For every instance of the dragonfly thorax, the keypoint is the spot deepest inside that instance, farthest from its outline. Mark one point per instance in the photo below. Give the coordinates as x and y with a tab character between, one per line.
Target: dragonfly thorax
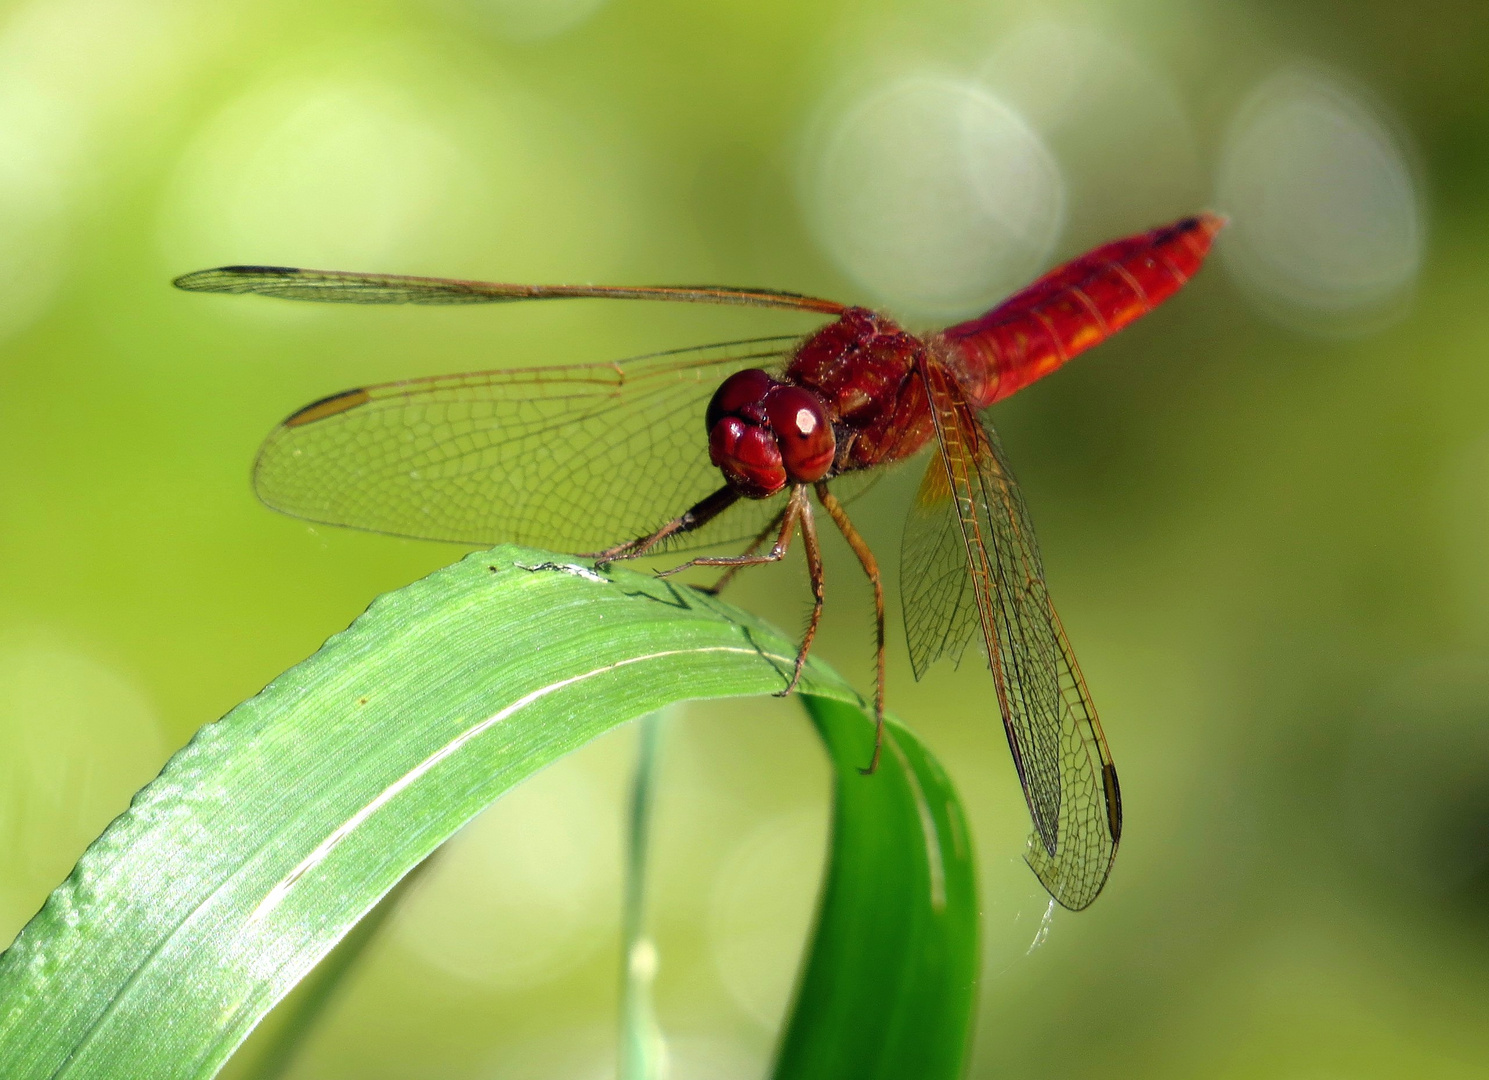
865	369
763	434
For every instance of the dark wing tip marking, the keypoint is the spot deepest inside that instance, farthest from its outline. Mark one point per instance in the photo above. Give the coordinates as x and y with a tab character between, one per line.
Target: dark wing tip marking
328	406
1113	794
250	268
229	278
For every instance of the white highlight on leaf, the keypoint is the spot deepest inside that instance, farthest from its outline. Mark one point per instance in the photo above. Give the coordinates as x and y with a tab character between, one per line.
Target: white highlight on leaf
935	865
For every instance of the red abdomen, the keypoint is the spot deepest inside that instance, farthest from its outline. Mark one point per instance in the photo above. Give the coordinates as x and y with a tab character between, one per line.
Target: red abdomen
1074	307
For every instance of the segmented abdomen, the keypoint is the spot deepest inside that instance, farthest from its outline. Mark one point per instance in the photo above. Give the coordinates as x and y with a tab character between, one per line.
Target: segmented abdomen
1076	306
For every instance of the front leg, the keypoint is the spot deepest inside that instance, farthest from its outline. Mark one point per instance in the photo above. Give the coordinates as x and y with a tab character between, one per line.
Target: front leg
696	516
788	518
798	510
728	575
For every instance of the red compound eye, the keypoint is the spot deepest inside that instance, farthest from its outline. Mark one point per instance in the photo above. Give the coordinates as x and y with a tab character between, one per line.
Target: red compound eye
739	395
762	433
802	432
748	457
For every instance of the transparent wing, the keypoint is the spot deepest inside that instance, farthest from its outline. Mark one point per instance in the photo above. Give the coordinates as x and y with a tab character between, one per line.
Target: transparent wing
940	605
1090	823
351	287
970	559
575	458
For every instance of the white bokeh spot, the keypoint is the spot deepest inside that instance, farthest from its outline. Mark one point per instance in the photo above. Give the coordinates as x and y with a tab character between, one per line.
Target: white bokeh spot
1327	227
760	912
936	197
77	739
80	80
1111	119
347	173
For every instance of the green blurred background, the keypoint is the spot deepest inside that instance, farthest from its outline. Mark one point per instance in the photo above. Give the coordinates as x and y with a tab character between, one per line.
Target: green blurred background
1263	509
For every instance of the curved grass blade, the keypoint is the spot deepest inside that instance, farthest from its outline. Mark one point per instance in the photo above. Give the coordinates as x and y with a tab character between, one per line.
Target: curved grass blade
300	1014
889	987
266	839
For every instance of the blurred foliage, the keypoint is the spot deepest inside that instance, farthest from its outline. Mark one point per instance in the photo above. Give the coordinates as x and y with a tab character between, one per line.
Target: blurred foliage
1267	543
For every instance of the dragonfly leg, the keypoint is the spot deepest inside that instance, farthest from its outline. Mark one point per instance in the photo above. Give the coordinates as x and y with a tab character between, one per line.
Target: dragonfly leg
871	568
728	575
797	510
789	516
814	569
696	516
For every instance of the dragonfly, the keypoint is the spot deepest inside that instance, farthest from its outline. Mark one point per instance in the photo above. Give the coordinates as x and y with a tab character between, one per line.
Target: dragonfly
701	447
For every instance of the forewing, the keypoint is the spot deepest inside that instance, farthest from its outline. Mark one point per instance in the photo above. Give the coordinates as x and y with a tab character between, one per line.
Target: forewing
973	509
352	287
575	458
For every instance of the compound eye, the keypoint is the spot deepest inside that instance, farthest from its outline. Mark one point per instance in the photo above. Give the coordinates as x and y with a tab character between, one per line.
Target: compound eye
737	394
802	431
748	458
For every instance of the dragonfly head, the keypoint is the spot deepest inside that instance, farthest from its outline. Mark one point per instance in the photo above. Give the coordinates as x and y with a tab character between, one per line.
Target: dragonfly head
763	433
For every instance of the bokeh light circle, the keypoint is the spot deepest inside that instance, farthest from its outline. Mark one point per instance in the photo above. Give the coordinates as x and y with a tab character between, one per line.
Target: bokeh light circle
83	86
935	196
347	170
1110	117
1327	226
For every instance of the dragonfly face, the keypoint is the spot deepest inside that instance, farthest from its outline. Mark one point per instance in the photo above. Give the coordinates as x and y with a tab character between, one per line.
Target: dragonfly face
579	456
764	434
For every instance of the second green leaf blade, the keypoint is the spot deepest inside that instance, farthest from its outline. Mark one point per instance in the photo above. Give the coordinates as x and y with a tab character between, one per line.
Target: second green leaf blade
889	985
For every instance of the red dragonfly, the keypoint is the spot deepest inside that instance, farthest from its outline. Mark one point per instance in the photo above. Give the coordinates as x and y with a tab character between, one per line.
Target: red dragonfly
576	457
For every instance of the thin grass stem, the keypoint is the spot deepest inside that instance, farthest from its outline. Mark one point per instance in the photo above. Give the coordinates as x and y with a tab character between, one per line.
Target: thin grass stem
643	1049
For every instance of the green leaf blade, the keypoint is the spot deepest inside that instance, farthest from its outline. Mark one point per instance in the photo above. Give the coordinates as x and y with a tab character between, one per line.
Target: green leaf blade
267	837
890	985
274	830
